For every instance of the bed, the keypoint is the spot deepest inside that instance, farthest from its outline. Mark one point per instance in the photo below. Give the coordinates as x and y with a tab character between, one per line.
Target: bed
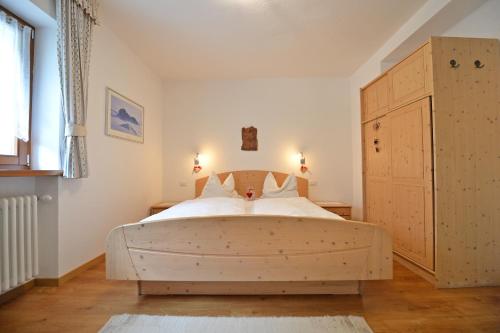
234	246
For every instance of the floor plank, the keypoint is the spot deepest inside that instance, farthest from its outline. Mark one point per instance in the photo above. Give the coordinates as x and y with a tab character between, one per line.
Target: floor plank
405	304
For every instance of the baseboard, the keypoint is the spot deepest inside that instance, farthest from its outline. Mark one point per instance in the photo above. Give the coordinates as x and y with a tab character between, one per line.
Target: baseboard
56	282
424	273
17	291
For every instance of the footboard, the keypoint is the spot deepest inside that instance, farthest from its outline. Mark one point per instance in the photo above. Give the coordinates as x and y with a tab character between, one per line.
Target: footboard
249	249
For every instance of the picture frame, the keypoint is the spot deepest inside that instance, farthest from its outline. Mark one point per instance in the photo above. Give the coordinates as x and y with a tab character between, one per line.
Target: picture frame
124	117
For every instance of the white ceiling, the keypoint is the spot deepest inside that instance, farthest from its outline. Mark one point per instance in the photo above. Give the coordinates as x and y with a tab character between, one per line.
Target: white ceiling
228	39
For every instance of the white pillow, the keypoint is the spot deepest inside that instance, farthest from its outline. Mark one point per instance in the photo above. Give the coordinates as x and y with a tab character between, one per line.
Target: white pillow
213	187
229	186
229	183
270	183
287	190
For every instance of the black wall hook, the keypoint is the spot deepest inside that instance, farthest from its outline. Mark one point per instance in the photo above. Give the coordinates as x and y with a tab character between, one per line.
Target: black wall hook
454	64
478	64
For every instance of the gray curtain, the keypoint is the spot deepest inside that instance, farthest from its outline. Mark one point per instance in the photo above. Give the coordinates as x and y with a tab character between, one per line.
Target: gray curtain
75	21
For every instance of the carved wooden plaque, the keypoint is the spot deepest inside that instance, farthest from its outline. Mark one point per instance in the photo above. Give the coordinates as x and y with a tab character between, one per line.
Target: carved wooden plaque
249	138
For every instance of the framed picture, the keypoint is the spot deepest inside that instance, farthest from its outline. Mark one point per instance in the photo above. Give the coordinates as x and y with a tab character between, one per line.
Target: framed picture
124	117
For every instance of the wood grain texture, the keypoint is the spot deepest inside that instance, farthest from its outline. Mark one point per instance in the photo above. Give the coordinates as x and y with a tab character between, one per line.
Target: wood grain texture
16	292
377	172
54	282
249	288
344	212
161	206
455	182
416	268
411	79
411	179
467	162
118	261
375	99
244	179
405	304
249	248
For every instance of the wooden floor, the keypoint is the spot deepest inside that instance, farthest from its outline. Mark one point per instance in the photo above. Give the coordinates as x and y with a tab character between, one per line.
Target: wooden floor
406	304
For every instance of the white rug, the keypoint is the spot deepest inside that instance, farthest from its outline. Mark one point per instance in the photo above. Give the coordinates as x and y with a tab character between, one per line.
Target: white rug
166	324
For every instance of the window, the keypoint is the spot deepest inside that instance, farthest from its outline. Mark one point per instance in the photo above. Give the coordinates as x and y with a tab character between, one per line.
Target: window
16	67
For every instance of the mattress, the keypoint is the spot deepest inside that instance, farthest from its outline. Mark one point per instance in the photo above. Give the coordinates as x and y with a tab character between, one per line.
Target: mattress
298	206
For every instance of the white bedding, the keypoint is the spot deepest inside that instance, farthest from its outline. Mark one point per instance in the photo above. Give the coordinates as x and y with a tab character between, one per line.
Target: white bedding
297	206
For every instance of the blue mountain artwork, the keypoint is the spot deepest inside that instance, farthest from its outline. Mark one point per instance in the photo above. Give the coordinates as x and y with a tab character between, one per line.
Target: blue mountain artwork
128	128
122	121
123	115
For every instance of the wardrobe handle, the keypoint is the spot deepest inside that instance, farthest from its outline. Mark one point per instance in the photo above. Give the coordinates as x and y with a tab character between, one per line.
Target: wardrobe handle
376	125
376	141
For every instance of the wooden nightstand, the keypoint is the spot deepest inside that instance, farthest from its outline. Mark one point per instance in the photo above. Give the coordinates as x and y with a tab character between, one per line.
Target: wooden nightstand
159	207
338	208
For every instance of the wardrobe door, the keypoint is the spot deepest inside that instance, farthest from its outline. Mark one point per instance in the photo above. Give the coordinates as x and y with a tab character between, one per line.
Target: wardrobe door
383	95
376	99
378	202
411	177
411	79
370	102
377	148
377	170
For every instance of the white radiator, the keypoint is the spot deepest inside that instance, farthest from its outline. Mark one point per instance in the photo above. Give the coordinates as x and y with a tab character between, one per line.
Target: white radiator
18	241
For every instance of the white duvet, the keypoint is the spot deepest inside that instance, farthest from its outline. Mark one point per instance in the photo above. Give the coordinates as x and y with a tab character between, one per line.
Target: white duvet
297	206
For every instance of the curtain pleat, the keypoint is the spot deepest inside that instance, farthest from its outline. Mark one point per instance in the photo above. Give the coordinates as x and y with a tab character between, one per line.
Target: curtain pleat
75	19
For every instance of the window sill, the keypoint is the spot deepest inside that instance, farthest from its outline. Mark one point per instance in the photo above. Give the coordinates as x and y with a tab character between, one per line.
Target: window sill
30	173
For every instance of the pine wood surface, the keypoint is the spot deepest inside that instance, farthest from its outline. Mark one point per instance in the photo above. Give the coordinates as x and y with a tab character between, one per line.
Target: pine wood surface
406	304
467	167
434	181
249	248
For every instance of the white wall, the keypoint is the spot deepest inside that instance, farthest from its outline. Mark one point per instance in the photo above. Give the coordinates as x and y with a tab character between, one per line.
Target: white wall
125	177
483	22
46	124
291	115
431	19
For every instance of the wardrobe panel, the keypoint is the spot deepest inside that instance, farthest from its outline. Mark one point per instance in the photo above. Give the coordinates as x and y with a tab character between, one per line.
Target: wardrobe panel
376	99
409	223
378	198
411	79
411	165
377	148
467	140
407	148
370	102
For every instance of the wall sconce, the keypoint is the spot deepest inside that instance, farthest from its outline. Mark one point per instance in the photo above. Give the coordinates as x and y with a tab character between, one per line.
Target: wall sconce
196	164
303	166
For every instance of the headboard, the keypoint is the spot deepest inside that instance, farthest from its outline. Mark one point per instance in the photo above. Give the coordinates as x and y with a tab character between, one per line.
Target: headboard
255	178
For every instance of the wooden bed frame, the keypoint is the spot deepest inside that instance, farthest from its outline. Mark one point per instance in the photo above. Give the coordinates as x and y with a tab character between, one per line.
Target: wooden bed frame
249	254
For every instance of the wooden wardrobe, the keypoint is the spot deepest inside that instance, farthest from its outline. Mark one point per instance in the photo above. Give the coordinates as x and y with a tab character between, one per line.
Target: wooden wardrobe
431	159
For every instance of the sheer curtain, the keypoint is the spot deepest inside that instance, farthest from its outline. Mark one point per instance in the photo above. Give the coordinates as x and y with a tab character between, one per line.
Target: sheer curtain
15	43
